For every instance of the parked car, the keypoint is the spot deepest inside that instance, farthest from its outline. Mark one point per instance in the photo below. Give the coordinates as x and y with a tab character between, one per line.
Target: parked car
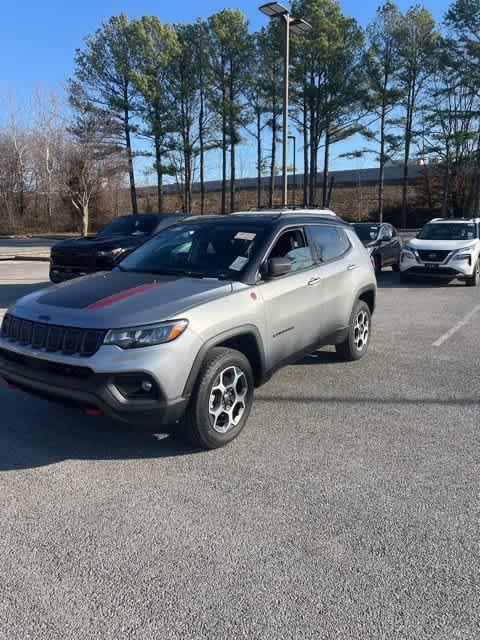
188	324
382	242
445	248
81	256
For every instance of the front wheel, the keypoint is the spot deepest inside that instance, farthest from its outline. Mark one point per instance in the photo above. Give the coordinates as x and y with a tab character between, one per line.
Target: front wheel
221	401
474	279
356	343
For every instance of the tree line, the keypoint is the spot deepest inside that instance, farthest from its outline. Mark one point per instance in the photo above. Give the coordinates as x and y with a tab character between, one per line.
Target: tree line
405	89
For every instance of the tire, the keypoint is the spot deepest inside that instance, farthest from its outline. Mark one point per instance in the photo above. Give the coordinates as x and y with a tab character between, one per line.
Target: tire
356	343
225	378
473	281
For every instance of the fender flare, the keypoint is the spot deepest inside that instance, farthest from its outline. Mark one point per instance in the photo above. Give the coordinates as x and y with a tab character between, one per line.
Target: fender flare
246	329
367	289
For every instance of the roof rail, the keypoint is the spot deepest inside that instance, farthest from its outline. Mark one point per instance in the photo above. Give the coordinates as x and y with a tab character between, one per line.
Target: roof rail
289	211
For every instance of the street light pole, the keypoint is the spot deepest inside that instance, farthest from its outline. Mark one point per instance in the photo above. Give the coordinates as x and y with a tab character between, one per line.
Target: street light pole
294	25
294	139
286	64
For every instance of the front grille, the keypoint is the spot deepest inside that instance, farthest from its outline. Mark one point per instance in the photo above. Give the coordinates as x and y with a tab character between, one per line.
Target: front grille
79	259
57	368
436	255
52	338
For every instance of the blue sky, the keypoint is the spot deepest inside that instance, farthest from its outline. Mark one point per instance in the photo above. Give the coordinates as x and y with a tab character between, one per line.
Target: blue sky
38	38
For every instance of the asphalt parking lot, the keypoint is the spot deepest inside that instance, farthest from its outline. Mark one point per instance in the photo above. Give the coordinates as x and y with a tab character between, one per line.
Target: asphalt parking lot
349	507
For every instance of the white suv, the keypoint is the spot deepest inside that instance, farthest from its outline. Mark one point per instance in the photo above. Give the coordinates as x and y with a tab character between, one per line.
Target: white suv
445	248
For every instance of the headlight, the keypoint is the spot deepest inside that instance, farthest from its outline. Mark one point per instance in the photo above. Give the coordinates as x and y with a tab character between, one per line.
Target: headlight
462	256
113	253
136	337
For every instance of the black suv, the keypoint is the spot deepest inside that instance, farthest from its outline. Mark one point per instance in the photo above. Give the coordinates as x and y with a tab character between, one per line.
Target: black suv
382	242
81	256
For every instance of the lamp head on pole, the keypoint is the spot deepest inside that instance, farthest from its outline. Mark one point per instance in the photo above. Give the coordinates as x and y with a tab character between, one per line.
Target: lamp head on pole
274	9
300	26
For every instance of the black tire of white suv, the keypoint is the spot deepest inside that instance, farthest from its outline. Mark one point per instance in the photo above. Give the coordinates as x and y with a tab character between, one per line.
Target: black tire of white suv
356	343
221	400
475	278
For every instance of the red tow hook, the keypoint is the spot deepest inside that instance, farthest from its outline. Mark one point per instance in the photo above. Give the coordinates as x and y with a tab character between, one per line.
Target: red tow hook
93	411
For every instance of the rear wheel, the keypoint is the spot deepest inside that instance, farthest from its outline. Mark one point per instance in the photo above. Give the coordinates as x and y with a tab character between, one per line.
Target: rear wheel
221	401
356	343
474	279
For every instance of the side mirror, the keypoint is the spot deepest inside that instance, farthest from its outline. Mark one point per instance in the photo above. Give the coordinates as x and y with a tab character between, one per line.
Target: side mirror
276	267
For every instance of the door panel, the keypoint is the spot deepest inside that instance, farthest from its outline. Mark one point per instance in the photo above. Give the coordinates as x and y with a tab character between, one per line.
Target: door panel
292	306
337	273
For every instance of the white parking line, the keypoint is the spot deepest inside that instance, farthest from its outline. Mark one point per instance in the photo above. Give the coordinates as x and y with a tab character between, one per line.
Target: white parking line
456	327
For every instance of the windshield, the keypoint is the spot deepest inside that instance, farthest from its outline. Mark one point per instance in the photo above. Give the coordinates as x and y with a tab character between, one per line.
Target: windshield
367	232
203	249
448	231
130	226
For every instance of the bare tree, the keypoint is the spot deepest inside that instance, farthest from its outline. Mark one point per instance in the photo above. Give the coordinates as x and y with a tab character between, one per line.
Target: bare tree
90	159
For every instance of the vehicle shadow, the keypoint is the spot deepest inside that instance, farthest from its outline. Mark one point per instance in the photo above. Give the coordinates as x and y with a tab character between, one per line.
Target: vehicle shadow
42	433
391	280
13	291
319	357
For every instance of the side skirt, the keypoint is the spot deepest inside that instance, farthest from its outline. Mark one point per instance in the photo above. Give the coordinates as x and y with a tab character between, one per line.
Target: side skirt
334	338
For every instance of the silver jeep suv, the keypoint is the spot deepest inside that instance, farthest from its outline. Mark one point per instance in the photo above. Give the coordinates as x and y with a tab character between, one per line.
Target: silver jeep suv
185	328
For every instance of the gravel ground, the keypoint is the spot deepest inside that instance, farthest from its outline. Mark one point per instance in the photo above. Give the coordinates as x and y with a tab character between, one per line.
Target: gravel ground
348	509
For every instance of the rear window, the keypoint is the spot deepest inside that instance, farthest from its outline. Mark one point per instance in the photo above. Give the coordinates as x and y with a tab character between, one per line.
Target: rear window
367	232
130	226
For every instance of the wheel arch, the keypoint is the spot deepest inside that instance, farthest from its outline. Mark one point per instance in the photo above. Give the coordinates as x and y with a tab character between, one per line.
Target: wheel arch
368	294
246	339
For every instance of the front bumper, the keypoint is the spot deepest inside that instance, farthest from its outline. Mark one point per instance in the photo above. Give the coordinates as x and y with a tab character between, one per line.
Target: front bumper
448	269
80	386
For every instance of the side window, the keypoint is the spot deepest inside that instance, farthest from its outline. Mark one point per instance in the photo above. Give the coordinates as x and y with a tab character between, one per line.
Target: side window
329	242
344	241
293	245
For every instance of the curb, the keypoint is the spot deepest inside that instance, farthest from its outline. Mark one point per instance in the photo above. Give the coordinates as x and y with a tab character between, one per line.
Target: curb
5	258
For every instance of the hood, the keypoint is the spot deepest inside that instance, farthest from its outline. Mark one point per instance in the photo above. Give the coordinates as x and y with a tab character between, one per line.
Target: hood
100	244
118	299
439	245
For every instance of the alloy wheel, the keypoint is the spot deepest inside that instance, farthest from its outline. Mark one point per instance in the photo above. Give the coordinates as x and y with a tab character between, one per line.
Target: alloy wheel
361	330
227	399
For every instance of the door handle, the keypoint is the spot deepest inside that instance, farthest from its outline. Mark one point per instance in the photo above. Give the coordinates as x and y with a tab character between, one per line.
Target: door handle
351	267
314	281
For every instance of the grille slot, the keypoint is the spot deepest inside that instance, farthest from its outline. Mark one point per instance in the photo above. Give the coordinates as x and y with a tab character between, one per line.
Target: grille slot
53	338
436	255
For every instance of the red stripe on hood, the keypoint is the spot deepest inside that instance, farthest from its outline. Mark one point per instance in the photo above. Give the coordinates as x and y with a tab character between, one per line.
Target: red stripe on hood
106	302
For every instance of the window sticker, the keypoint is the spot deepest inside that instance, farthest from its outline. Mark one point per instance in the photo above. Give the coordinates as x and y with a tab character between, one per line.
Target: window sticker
238	263
243	235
